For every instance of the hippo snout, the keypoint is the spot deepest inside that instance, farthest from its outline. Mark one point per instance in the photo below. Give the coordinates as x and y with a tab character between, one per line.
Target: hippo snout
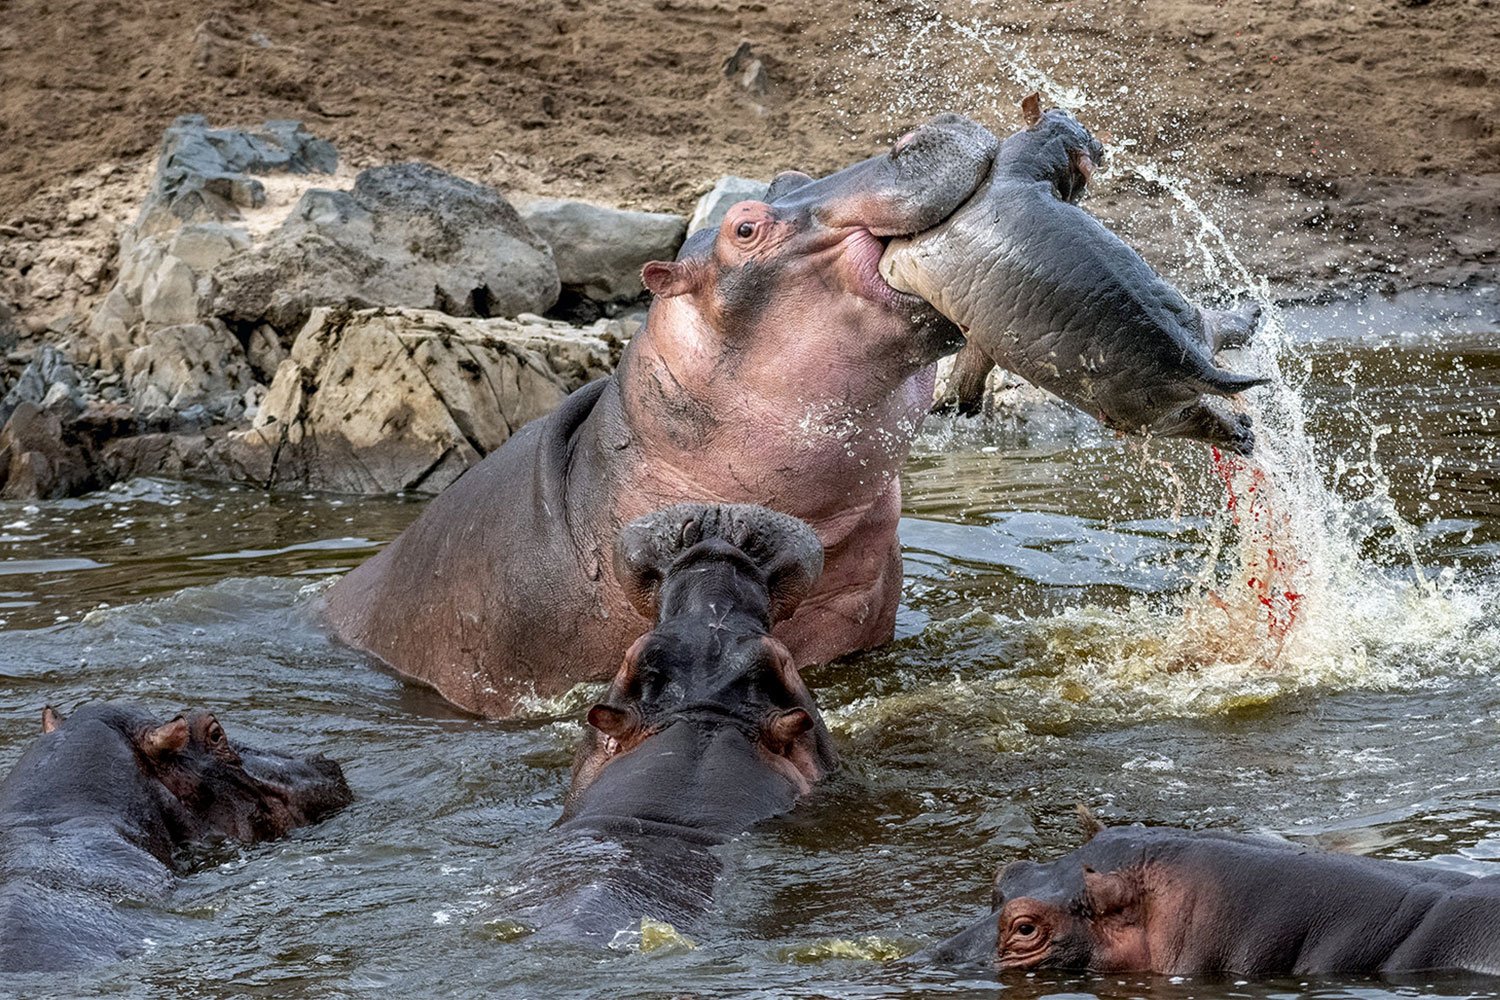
927	174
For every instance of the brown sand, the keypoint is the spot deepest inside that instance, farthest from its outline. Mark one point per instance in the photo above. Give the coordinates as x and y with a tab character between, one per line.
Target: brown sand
1324	123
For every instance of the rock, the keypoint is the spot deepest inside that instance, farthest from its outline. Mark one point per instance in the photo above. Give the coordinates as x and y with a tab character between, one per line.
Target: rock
408	235
726	192
38	385
599	250
10	334
188	374
204	174
39	460
747	72
169	295
379	401
264	350
203	245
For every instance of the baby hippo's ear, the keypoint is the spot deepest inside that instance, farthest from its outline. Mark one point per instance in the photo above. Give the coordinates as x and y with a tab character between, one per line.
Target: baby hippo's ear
164	739
1031	108
51	721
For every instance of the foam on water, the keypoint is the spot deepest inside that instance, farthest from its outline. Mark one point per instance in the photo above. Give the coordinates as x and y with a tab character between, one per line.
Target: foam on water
1297	586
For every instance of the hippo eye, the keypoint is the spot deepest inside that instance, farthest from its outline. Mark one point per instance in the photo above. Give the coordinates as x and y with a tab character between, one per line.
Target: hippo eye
1025	930
216	734
745	230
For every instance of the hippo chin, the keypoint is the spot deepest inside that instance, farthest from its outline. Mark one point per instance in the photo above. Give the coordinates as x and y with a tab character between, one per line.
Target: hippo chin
1181	902
776	367
706	729
1042	289
91	816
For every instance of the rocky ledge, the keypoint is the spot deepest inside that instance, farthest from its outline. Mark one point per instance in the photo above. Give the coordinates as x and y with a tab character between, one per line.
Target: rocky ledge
272	319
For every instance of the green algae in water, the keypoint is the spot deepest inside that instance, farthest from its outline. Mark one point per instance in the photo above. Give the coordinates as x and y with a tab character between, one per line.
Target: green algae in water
508	930
865	949
658	935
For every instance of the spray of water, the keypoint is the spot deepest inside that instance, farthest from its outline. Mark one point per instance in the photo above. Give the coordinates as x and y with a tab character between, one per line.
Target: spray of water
1284	598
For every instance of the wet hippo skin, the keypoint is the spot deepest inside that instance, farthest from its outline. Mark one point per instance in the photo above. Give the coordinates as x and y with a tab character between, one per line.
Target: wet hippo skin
776	367
92	812
1044	290
706	729
1186	902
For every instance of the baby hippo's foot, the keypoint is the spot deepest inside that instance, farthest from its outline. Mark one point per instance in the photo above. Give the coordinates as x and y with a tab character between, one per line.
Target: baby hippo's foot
963	390
1230	328
1206	421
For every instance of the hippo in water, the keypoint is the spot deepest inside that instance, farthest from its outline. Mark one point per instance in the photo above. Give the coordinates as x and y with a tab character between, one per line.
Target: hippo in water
775	367
1184	902
1042	289
91	816
706	729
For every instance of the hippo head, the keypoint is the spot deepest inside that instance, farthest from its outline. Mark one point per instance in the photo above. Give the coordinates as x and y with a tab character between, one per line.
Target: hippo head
706	704
223	788
793	276
1081	911
1053	147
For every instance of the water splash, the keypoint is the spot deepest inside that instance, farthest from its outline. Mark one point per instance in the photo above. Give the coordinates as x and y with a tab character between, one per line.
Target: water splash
1297	585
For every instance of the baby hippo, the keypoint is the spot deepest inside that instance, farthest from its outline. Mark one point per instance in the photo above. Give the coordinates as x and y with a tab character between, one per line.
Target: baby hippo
91	815
1042	289
1180	902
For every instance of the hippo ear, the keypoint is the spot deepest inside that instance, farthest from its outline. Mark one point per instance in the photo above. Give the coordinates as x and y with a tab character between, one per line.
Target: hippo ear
785	183
51	721
1111	893
669	278
781	729
1091	824
165	739
612	720
1031	108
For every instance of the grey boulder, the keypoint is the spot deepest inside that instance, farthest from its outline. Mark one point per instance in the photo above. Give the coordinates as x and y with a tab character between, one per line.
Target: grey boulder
600	250
727	191
408	236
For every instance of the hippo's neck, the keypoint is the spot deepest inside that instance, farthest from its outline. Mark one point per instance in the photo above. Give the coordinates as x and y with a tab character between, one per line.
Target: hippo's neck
704	430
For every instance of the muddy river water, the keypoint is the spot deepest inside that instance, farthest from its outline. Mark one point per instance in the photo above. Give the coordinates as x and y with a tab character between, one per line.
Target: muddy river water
1084	620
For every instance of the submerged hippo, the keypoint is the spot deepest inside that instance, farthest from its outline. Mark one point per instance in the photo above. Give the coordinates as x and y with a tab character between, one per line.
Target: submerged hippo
706	729
1042	289
91	815
775	367
1181	902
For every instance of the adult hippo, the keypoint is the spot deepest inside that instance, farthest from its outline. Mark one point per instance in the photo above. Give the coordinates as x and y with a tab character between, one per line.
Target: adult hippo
94	813
775	367
1041	288
706	729
1185	902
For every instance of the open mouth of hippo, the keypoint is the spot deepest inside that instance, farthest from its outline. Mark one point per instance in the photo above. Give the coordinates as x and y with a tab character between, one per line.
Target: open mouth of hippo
863	249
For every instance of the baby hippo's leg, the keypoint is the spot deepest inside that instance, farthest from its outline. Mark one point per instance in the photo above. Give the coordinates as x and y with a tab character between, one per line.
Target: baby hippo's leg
1206	420
964	389
1230	328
